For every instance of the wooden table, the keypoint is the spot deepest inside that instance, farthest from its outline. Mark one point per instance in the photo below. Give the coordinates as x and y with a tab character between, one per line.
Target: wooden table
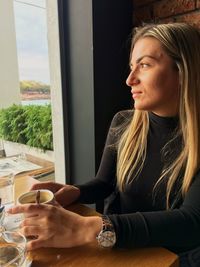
92	254
47	166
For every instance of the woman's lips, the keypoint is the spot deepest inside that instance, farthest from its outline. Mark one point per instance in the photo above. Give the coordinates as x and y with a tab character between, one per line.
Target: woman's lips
136	94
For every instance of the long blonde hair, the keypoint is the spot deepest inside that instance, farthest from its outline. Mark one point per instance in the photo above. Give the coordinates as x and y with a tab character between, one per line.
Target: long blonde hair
181	42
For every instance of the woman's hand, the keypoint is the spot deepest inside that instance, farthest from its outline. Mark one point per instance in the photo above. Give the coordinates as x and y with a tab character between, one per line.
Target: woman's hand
64	194
53	226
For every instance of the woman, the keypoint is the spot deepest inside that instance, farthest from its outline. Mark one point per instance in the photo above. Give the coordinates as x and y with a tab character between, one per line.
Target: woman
150	165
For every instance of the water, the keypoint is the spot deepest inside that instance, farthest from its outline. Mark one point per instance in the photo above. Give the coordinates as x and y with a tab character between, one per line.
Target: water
38	102
12	249
11	254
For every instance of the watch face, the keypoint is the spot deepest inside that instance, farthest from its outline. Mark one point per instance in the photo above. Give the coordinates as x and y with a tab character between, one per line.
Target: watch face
107	239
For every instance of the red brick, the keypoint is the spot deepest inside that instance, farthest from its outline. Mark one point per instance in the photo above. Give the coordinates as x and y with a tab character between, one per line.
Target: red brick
166	20
142	14
137	3
166	8
192	18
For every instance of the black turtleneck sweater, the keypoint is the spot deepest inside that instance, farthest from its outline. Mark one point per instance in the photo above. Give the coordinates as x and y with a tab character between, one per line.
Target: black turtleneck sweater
139	216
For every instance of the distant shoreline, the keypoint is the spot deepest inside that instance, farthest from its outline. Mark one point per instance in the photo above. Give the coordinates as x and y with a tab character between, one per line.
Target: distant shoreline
35	96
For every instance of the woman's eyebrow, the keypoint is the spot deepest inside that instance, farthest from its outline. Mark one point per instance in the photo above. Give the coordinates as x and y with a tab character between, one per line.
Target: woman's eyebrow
140	58
150	56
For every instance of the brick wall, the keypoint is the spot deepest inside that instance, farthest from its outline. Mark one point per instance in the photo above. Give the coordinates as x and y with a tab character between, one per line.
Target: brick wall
166	11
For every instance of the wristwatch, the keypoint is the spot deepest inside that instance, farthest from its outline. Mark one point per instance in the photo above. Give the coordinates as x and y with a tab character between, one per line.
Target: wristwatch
107	236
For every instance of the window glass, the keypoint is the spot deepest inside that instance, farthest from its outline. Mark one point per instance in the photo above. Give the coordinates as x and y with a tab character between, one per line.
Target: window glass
32	51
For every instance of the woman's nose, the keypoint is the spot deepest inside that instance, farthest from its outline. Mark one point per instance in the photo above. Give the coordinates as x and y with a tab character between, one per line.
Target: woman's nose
132	79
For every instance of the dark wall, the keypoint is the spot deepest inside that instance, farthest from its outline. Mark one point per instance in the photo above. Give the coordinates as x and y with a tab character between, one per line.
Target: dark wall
94	60
112	24
76	41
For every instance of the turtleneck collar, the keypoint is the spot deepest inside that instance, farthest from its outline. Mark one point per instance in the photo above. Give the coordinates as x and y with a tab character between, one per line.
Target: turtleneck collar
167	122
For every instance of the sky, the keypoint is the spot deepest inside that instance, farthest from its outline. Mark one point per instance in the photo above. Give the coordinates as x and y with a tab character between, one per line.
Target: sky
31	37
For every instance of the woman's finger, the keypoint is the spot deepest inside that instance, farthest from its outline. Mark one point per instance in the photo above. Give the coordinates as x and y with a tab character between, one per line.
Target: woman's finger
31	230
67	195
30	209
54	187
36	243
29	221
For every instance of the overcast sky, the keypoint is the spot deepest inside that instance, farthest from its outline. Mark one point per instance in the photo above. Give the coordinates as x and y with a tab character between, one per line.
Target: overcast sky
31	35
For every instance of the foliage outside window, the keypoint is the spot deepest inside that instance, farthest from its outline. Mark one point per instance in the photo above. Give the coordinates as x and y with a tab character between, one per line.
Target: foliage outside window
30	125
34	90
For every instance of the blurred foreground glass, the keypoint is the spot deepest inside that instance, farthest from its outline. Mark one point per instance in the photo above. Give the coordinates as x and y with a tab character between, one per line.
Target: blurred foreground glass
7	188
12	249
2	215
2	150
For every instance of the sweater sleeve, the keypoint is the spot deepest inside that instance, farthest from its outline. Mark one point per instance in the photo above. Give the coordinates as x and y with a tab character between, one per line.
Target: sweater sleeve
177	229
104	183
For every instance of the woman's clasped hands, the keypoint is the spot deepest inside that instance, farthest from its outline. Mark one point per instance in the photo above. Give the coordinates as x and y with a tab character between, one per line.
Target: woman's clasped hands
54	226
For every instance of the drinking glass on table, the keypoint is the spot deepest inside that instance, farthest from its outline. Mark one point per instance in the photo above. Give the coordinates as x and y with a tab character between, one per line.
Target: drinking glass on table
2	215
12	249
7	192
7	199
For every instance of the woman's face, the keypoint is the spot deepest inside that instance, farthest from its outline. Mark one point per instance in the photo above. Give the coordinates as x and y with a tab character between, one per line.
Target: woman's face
154	79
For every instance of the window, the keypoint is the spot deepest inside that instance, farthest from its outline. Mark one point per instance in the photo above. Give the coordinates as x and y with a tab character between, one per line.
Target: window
28	55
32	51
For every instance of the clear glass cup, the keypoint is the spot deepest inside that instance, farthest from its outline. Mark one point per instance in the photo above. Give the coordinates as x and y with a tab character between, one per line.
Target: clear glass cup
22	156
7	192
12	249
7	195
2	216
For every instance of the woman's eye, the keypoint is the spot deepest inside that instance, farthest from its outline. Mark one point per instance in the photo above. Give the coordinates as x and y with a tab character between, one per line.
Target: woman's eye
144	65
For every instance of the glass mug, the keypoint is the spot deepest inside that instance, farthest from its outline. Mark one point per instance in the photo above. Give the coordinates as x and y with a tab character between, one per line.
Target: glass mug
12	249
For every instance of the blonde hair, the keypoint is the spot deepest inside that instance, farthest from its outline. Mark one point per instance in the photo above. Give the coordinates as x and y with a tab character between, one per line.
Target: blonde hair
181	42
